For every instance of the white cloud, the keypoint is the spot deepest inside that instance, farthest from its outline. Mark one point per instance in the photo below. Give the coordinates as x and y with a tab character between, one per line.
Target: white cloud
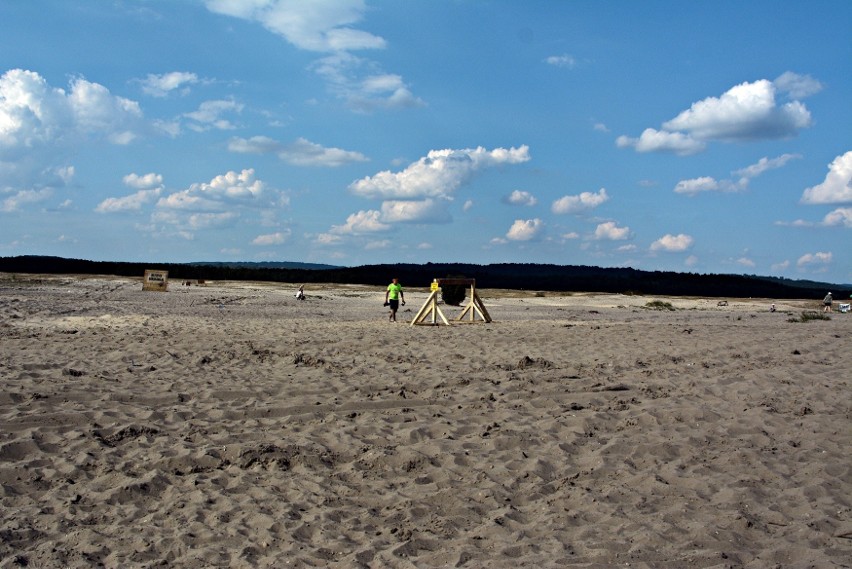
837	186
691	261
709	184
672	243
41	127
579	203
162	85
610	230
782	266
840	216
818	261
520	197
525	229
748	111
361	222
276	238
424	246
746	262
797	86
144	182
765	164
133	202
571	235
363	86
467	205
327	26
221	193
415	211
564	60
320	25
439	174
328	239
302	152
210	115
652	140
24	197
745	112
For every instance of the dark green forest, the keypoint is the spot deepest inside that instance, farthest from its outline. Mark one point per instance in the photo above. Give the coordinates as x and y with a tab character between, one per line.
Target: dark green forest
520	276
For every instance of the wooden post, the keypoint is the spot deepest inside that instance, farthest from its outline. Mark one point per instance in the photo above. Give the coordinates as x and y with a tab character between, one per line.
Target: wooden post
431	309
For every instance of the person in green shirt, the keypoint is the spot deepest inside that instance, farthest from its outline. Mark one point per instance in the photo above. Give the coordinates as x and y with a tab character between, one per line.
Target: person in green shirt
393	296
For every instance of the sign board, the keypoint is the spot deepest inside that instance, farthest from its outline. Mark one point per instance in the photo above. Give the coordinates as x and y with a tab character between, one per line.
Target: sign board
155	280
435	286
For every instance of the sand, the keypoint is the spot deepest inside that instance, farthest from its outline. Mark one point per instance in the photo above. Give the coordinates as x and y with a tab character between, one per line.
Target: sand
230	425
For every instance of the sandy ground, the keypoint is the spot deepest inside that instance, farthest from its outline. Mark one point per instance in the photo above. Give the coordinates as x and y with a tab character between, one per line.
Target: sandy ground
232	426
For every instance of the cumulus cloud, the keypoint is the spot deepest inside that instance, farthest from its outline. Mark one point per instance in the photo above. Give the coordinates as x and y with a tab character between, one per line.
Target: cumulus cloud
672	243
840	216
817	261
415	211
579	203
765	164
42	126
149	192
302	152
163	85
439	174
525	229
221	193
360	223
746	262
328	239
144	182
748	111
653	140
520	197
837	186
610	231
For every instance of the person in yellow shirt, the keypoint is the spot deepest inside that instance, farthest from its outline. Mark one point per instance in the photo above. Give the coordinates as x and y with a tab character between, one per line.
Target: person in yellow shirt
393	296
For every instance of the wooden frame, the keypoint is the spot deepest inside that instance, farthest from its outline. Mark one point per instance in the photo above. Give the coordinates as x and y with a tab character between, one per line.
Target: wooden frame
430	312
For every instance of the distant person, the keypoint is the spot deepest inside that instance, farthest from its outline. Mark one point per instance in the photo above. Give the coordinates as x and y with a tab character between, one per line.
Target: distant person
772	307
393	296
826	303
300	294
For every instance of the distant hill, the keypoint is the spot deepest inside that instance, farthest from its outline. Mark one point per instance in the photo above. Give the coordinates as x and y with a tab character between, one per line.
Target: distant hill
505	275
266	265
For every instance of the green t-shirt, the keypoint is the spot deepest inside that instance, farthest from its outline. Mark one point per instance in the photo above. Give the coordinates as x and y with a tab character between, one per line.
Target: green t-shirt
394	291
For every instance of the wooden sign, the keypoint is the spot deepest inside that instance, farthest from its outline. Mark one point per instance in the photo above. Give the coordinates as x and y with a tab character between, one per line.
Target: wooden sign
155	280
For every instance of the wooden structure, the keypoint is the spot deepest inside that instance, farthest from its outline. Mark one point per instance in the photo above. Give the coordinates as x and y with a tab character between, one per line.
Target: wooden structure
155	280
430	313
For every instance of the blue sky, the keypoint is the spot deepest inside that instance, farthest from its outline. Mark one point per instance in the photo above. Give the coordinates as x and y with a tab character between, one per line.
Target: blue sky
708	136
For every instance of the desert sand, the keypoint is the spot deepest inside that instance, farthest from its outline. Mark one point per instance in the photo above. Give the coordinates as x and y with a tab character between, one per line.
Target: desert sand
230	425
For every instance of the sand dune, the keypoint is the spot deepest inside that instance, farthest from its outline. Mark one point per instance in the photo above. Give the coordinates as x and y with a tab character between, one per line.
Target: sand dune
232	426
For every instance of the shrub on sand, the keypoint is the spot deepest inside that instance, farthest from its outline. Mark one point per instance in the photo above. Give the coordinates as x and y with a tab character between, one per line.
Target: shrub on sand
809	315
659	305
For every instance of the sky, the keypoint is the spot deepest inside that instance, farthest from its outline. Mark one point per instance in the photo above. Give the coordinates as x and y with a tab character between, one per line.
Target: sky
705	137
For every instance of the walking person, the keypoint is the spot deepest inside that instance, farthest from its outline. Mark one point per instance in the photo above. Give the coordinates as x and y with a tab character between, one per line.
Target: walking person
826	303
393	296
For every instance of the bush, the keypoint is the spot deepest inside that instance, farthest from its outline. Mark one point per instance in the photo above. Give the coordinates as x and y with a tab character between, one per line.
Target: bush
453	295
809	315
659	305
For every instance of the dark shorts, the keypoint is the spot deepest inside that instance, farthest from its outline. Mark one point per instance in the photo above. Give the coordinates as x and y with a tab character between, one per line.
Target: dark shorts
394	304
